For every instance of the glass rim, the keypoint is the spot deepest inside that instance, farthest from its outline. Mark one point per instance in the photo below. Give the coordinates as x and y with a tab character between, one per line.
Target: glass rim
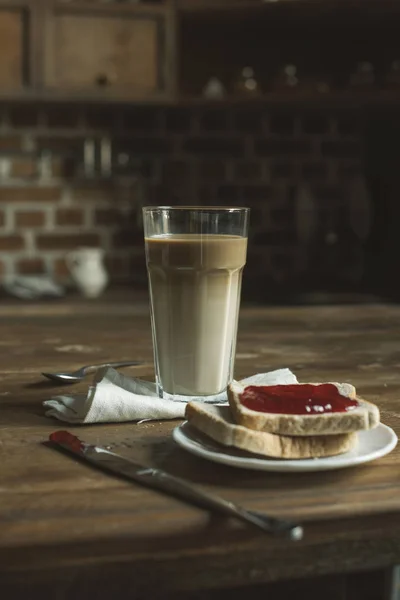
198	208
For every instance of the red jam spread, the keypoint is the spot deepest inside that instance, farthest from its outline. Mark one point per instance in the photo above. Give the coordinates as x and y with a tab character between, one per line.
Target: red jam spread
67	439
297	399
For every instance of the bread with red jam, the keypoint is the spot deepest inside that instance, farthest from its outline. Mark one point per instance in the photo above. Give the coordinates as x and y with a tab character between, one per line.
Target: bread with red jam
302	409
217	422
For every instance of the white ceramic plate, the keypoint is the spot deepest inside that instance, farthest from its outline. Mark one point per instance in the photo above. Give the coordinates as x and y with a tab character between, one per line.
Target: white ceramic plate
371	445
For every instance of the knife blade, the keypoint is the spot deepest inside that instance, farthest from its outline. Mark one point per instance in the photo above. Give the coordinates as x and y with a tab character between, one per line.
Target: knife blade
156	478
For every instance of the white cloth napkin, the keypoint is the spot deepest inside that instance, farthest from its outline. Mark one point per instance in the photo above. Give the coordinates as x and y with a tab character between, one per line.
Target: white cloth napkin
115	398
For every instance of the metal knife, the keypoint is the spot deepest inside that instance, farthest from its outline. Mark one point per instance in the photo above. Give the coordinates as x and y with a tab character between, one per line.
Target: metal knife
160	480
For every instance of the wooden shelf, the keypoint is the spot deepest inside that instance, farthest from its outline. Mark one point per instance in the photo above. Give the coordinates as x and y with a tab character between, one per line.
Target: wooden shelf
343	100
177	51
109	9
105	97
128	51
350	99
208	6
195	6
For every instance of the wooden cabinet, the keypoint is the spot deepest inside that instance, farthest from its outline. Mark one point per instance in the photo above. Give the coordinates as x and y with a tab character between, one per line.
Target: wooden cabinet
83	50
107	50
100	50
15	70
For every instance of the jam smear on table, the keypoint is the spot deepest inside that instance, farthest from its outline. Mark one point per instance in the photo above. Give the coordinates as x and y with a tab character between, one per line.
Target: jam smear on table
297	399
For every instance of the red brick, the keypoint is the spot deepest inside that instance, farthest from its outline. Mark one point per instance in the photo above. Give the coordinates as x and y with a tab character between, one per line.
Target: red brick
315	124
69	216
30	218
2	218
24	115
161	195
212	170
11	242
249	120
131	165
101	118
30	266
257	263
108	216
349	126
230	194
60	269
247	170
257	192
138	271
283	146
60	116
127	238
143	146
30	194
207	195
281	259
23	168
325	194
59	167
141	119
341	148
214	120
215	146
128	268
66	241
117	267
282	217
97	193
10	143
71	146
275	238
281	125
282	170
176	170
282	266
257	215
314	171
65	167
350	170
178	119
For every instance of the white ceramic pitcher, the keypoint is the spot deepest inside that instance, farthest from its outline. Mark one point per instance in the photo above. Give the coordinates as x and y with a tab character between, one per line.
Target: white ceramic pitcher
88	271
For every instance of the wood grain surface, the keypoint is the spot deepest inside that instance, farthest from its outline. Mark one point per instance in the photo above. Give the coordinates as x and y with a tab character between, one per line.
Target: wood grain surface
86	49
65	526
11	49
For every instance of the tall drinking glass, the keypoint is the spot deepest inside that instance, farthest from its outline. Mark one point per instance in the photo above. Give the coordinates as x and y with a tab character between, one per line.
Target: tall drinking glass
195	258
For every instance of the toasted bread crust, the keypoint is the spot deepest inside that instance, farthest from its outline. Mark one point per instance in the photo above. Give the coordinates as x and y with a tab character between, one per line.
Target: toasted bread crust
218	423
366	416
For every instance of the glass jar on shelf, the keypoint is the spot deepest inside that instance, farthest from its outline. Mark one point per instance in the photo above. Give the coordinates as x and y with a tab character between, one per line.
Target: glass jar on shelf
363	77
287	79
246	82
214	89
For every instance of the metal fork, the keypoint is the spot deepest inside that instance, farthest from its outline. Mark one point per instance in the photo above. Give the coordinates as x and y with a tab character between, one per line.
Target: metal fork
79	374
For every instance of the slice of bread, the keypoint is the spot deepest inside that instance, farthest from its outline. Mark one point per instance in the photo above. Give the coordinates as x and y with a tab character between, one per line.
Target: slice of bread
365	416
218	423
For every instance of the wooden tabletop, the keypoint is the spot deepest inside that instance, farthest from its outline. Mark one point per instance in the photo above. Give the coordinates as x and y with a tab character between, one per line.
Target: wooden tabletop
63	524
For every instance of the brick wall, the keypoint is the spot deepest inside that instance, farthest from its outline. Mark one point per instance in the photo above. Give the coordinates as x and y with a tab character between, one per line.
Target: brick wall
250	156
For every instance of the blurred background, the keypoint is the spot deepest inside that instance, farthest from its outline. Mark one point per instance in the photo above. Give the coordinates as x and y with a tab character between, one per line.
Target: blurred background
290	107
